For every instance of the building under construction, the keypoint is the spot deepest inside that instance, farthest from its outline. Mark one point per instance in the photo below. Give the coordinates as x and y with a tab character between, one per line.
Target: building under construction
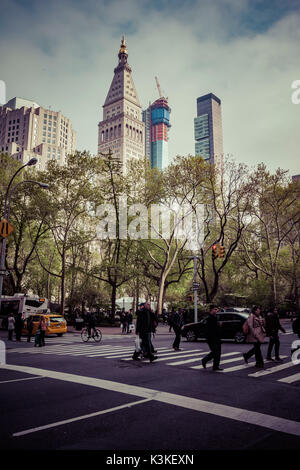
157	123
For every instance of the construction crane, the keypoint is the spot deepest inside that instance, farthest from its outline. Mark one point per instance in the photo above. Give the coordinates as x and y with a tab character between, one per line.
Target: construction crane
158	87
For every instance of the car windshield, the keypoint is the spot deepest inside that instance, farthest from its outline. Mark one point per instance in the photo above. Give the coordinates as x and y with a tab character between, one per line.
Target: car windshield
56	319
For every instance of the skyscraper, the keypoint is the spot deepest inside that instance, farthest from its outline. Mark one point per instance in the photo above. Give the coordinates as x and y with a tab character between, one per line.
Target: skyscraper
28	130
208	129
122	129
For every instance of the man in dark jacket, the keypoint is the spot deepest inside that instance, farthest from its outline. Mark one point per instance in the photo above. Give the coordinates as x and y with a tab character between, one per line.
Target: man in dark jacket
145	326
177	323
272	328
213	338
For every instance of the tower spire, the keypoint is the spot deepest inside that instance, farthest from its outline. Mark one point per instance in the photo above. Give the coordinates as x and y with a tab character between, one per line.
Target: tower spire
123	54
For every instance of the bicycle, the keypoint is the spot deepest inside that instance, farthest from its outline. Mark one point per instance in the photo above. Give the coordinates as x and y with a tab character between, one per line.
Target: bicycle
95	334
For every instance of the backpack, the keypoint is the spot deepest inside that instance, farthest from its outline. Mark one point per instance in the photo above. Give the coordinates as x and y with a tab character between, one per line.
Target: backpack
246	327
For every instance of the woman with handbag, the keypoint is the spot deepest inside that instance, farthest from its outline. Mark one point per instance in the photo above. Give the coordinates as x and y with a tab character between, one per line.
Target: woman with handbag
255	336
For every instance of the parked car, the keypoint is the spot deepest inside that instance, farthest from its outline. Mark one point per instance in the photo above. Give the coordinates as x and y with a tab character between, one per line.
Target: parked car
56	324
231	324
237	309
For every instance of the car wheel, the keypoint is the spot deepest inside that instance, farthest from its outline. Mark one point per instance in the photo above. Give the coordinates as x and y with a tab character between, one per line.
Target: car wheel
190	336
59	334
239	337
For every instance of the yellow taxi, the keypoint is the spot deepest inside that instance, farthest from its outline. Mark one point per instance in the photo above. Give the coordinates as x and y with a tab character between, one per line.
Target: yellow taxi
56	324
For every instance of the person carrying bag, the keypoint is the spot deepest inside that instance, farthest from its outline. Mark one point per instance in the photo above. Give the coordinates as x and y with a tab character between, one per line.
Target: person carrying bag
256	336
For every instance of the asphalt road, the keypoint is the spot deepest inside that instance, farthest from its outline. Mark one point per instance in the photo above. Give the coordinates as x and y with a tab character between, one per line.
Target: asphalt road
71	395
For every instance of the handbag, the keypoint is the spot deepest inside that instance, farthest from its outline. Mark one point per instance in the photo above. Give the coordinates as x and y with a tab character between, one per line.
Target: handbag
246	327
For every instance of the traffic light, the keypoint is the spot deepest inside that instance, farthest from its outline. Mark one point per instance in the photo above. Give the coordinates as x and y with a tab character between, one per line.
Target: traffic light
221	251
214	252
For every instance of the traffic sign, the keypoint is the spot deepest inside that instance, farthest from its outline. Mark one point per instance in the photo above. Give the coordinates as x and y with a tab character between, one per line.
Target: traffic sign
5	228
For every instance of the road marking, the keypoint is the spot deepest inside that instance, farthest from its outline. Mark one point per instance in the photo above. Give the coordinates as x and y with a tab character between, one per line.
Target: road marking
197	359
290	379
78	418
272	370
183	354
223	362
246	366
19	380
237	414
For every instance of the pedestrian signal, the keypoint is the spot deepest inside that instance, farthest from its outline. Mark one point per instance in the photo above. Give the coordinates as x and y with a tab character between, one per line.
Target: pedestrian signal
221	251
214	253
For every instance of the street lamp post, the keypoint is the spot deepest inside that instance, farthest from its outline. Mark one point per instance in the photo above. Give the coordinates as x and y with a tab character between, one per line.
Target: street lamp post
6	214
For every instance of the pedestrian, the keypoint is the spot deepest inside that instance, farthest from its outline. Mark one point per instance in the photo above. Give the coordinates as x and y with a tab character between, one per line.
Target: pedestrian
129	320
273	326
170	314
29	328
10	326
177	322
145	326
213	338
164	315
42	327
123	319
256	336
18	327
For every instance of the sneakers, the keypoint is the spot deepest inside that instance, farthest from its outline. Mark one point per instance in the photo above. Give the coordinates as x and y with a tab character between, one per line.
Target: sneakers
177	349
278	359
269	359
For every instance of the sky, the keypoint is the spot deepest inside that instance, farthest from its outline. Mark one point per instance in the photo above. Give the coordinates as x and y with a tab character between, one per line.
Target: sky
247	52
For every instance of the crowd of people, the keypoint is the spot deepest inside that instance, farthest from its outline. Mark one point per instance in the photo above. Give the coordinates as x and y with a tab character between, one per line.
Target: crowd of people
16	324
257	327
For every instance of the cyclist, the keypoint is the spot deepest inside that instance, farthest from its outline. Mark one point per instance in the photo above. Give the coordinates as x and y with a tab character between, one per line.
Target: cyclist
91	323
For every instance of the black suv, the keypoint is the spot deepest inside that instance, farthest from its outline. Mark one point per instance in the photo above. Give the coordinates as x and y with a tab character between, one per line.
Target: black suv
231	324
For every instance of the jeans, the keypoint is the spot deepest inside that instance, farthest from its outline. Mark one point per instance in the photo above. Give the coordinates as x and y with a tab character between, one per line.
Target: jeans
215	353
274	340
177	331
42	338
255	351
146	344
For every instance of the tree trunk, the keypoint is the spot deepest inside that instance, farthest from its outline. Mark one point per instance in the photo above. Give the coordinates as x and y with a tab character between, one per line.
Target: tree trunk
113	300
62	290
160	296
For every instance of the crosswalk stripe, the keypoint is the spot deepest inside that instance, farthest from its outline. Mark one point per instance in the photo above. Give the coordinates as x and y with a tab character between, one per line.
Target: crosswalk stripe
223	362
290	379
272	370
179	356
245	366
203	354
161	351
